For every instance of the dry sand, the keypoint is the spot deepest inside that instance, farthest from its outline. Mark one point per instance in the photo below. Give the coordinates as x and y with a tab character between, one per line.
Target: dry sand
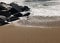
13	34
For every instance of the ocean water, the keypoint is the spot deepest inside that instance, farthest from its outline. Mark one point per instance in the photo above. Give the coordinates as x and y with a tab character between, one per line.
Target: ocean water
43	14
44	8
40	8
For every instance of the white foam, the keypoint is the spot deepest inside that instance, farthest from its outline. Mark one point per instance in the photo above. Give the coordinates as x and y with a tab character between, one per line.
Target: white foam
46	11
9	1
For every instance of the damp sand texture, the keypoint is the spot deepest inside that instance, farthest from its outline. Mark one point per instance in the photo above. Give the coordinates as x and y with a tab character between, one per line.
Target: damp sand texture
13	34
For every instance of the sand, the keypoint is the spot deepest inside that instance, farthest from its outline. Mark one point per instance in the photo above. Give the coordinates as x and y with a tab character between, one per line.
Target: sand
14	34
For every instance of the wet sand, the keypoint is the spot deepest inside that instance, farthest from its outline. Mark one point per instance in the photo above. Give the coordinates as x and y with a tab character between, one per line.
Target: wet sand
13	34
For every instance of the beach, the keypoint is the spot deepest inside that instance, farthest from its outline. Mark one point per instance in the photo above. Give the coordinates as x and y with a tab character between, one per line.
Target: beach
43	25
14	34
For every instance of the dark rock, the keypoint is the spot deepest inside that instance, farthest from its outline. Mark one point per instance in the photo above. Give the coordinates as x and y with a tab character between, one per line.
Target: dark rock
6	10
18	15
2	22
12	19
26	8
27	14
17	7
